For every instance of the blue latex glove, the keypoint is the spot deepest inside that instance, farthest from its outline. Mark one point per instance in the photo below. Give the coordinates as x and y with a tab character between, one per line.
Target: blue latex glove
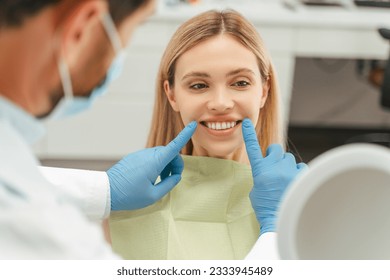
271	176
132	179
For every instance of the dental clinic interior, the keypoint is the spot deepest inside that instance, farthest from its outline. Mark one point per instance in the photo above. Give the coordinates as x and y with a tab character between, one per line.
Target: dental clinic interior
331	59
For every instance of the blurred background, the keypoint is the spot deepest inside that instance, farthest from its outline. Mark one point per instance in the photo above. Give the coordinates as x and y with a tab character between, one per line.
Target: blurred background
330	59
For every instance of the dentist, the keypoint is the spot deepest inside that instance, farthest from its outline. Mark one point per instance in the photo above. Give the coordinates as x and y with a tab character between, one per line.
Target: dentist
56	57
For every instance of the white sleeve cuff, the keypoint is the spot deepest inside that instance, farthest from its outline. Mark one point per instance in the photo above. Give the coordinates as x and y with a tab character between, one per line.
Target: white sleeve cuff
90	190
265	248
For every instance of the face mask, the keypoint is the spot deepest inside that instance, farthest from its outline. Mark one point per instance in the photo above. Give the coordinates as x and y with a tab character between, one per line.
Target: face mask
71	105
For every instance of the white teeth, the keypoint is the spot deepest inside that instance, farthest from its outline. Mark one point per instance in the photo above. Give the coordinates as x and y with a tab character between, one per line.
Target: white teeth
220	125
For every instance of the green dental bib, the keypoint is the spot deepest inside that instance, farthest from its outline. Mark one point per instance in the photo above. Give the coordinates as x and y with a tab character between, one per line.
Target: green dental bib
208	215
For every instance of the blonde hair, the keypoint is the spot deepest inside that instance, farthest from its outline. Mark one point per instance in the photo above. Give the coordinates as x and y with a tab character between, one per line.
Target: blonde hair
166	123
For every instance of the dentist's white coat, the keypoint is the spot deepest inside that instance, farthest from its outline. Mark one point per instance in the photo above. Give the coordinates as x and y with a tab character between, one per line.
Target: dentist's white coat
37	219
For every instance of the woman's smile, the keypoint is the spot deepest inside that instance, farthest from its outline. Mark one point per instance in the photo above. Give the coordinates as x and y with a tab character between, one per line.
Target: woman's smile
221	128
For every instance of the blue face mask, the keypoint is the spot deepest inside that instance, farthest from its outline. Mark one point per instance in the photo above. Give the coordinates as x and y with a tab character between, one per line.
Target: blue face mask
71	105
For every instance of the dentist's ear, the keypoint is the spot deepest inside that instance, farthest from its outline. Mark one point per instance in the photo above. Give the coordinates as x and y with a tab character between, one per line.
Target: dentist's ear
171	96
265	91
77	27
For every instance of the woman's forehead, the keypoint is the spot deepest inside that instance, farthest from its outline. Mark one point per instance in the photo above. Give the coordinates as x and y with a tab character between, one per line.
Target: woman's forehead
221	53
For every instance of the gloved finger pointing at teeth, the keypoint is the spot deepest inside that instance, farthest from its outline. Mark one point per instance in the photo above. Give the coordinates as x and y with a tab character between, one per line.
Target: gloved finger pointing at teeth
168	153
251	143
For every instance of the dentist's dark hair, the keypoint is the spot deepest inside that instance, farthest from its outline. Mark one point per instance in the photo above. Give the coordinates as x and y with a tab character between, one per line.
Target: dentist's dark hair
13	13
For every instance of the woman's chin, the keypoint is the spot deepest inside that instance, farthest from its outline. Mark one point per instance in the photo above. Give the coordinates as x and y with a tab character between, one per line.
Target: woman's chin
230	154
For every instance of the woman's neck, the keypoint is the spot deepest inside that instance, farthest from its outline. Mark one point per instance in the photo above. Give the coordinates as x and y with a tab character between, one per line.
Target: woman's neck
238	155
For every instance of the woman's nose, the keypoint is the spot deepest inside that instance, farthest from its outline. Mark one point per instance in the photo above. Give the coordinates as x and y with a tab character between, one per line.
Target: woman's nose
220	100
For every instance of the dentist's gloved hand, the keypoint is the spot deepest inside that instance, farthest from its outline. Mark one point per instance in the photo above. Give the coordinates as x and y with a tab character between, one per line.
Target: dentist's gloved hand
132	179
271	176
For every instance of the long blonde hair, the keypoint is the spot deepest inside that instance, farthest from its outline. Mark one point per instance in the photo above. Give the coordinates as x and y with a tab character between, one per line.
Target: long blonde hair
166	123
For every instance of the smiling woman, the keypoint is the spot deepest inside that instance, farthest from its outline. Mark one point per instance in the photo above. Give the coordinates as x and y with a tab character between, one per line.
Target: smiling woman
212	86
215	71
211	54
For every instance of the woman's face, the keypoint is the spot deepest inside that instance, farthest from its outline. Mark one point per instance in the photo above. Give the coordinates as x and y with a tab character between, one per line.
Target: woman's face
218	84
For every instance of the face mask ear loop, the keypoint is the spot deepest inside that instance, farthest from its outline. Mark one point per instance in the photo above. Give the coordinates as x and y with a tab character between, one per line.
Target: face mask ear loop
112	32
63	70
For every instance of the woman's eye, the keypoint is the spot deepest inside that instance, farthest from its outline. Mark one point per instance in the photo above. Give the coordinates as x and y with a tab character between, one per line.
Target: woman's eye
241	84
198	86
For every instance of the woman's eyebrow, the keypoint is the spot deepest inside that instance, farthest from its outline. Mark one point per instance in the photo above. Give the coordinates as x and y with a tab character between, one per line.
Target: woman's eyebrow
205	75
240	70
196	74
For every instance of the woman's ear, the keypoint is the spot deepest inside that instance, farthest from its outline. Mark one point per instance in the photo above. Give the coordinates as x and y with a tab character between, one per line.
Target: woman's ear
171	96
264	94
